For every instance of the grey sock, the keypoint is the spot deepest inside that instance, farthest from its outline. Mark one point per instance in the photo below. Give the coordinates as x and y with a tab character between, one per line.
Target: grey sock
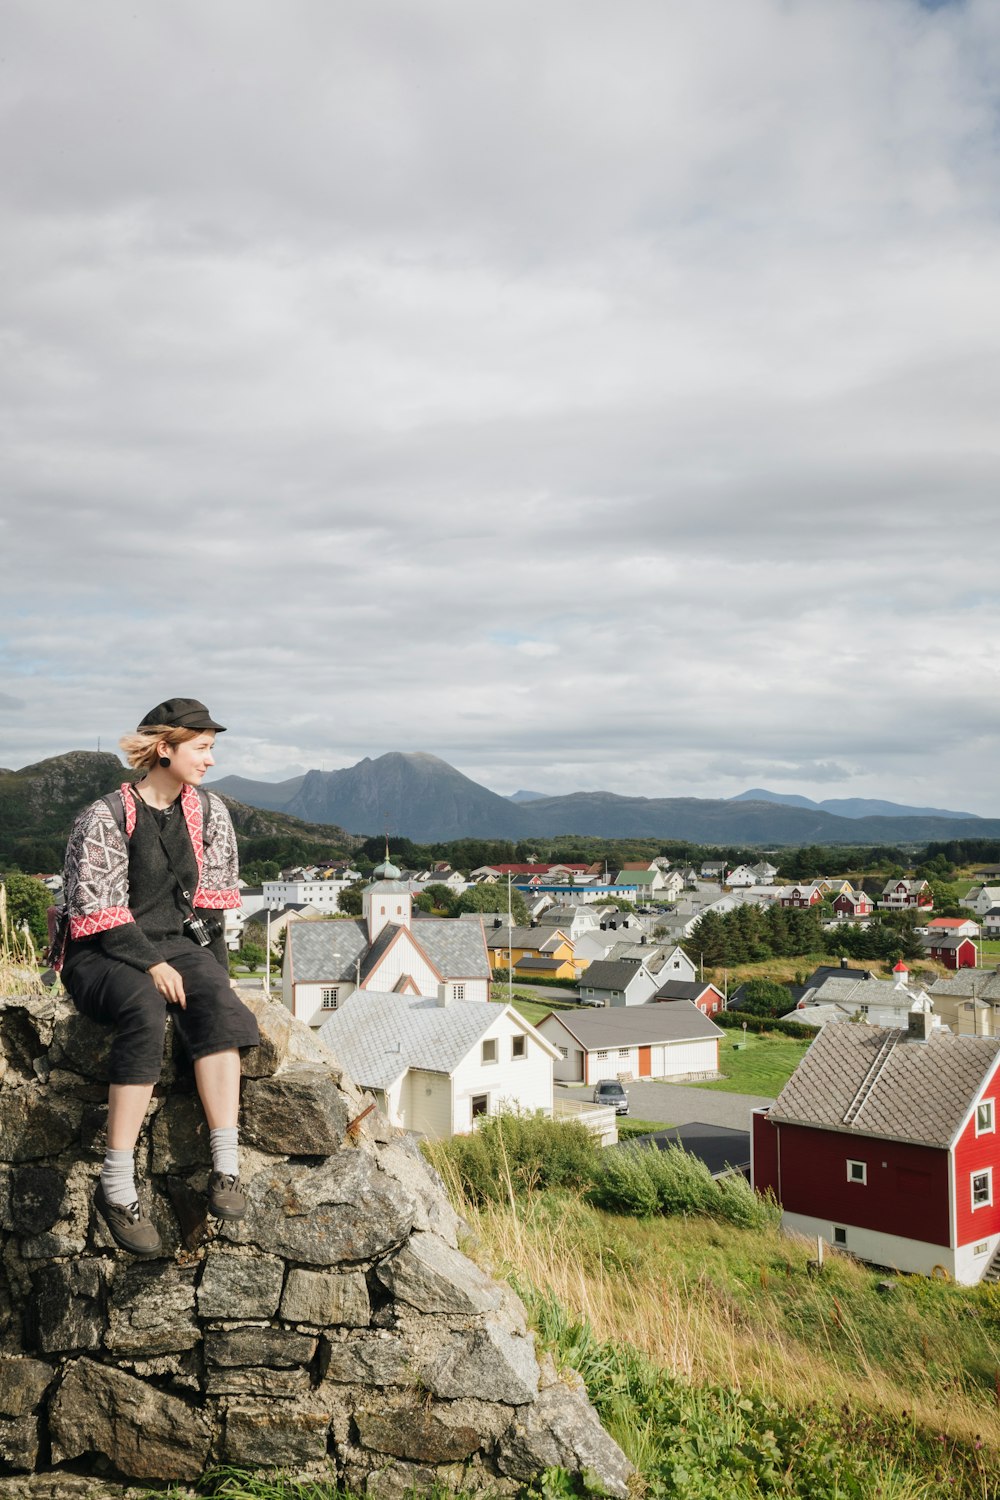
225	1154
118	1177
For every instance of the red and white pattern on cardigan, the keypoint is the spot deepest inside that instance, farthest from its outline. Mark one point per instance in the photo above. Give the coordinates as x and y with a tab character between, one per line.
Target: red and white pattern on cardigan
96	871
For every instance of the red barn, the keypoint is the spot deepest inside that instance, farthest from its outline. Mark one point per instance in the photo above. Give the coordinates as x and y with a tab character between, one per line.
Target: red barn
953	952
885	1142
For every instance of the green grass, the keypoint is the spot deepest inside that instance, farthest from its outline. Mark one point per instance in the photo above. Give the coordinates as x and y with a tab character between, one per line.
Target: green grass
762	1066
531	1009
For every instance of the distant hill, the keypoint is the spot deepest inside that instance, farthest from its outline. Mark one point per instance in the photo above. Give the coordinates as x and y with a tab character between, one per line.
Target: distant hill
39	802
848	807
423	798
527	796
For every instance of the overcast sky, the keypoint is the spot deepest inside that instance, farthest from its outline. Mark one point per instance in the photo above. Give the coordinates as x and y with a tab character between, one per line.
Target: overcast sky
596	395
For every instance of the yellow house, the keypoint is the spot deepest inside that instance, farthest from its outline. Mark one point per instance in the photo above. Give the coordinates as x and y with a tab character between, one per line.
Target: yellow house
551	952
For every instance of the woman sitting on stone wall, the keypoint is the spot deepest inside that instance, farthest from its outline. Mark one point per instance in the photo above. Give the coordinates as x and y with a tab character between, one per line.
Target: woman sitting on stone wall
149	869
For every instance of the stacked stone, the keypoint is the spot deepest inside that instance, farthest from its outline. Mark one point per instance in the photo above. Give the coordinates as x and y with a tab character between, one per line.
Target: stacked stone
336	1331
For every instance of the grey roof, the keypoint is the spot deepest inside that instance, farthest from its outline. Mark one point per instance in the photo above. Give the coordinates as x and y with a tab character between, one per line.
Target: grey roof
984	984
520	937
718	1146
873	1081
552	916
602	975
326	950
637	1024
535	961
684	989
331	951
939	939
456	949
377	1036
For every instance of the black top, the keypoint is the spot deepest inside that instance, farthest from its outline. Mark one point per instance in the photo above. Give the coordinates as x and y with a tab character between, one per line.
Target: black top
155	900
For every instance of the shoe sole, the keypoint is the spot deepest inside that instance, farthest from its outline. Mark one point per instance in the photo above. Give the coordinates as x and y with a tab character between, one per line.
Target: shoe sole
221	1213
140	1254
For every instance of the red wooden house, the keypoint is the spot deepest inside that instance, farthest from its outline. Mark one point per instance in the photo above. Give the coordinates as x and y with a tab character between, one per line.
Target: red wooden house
795	897
900	895
885	1142
953	952
705	996
853	904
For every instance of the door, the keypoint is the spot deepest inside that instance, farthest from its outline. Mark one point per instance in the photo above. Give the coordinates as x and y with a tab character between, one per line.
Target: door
645	1066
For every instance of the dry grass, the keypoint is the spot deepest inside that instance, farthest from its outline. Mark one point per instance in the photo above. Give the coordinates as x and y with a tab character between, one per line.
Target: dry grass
714	1305
18	956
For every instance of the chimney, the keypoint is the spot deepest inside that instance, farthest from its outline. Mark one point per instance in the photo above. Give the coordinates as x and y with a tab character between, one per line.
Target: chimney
443	997
919	1025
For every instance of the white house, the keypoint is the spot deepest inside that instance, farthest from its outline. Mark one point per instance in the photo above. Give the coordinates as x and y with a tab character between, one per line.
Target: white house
879	1002
384	950
982	898
324	895
622	983
649	1041
434	1066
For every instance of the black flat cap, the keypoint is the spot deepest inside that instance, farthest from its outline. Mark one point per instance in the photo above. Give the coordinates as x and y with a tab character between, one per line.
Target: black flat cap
179	713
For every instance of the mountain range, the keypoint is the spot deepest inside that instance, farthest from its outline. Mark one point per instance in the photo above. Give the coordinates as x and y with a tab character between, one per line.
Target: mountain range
423	798
849	807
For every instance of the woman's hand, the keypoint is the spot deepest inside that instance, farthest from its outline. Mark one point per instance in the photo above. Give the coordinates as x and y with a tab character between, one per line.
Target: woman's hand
169	983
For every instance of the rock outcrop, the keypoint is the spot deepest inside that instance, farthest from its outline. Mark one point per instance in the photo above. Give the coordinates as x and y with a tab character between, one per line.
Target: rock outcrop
337	1330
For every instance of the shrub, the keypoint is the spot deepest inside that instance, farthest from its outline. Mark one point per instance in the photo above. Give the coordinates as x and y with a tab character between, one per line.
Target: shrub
511	1154
641	1180
733	1020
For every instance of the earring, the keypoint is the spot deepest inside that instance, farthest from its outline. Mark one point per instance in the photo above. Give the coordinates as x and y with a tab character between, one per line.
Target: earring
164	760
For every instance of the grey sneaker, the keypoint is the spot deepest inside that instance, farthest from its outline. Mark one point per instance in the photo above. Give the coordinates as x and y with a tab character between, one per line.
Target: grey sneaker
129	1227
225	1197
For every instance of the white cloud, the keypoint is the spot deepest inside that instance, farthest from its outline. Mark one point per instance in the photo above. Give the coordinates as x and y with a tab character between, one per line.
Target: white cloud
594	397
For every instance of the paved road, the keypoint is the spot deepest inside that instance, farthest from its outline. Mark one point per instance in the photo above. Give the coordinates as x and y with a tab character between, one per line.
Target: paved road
674	1104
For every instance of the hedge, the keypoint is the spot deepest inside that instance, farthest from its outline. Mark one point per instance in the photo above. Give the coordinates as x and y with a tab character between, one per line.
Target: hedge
734	1020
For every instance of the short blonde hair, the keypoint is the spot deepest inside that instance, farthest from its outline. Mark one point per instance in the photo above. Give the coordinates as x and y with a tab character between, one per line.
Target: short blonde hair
140	749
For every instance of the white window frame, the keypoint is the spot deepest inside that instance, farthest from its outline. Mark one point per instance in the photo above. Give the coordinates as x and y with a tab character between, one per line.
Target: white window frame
518	1047
839	1236
477	1114
458	992
982	1248
987	1202
488	1052
991	1122
602	1056
857	1172
329	997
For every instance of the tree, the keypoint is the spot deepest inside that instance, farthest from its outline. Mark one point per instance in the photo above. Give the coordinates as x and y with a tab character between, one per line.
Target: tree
250	956
763	997
493	898
28	902
349	900
442	897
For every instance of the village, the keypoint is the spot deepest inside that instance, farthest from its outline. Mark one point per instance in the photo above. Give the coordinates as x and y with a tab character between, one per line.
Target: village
883	1141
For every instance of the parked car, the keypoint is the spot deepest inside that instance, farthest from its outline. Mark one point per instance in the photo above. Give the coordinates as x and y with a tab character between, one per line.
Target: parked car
610	1091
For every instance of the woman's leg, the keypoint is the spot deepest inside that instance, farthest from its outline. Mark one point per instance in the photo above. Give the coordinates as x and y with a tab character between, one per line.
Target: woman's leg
218	1079
127	1106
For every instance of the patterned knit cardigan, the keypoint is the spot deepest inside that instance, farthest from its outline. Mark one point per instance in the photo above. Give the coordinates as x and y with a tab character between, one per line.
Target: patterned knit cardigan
95	876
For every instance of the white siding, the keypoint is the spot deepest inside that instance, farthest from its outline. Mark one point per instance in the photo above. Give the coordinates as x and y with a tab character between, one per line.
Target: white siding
894	1250
306	1000
509	1083
682	1058
401	959
429	1104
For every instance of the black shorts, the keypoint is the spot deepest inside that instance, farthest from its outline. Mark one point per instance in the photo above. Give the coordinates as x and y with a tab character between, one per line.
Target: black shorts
116	994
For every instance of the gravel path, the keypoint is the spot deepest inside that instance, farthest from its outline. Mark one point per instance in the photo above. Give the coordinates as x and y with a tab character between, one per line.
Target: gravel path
674	1104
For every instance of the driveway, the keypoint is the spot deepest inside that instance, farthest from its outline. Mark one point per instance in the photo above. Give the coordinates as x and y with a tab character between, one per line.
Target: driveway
674	1104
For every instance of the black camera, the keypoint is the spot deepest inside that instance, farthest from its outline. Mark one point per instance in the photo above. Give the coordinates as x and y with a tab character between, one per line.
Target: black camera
202	930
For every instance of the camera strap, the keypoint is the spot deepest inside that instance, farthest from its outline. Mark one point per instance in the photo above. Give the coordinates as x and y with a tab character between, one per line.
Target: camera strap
186	894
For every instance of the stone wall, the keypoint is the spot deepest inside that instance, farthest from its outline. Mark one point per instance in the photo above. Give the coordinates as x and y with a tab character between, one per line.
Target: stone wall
337	1330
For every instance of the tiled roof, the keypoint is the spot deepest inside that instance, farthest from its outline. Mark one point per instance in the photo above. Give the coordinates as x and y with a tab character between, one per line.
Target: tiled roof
520	937
682	989
872	1081
985	985
603	975
456	949
379	948
377	1036
326	951
645	1025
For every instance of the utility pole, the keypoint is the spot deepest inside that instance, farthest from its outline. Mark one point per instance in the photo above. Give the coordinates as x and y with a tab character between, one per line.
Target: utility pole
510	945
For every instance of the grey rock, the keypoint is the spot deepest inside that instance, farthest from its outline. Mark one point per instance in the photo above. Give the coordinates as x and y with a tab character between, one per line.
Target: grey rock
489	1363
326	1299
19	1443
151	1310
561	1430
397	1481
299	1112
281	1040
366	1359
36	1195
429	1275
402	1159
417	1433
35	1123
70	1305
264	1382
23	1383
276	1347
340	1213
146	1433
180	1136
235	1285
27	1023
275	1435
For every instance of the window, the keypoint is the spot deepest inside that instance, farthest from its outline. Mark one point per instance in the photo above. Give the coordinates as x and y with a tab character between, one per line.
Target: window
839	1235
857	1171
981	1248
518	1047
602	1057
489	1050
480	1105
985	1120
564	1052
982	1188
458	992
329	998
